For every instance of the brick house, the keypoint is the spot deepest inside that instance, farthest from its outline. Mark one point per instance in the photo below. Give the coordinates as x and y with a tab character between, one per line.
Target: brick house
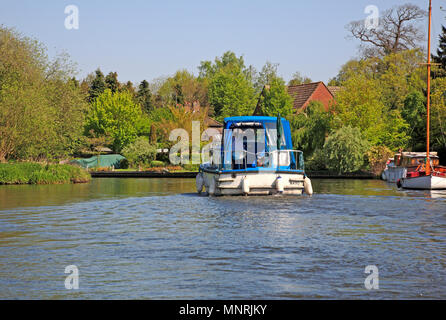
303	94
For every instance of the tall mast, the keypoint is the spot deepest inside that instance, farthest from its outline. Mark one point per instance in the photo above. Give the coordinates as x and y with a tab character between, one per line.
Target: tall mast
428	165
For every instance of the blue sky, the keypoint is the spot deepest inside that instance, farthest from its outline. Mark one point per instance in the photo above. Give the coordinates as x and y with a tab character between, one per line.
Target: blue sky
150	39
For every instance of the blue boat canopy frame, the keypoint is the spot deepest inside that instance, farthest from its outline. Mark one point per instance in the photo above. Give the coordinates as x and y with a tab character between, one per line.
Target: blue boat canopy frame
250	144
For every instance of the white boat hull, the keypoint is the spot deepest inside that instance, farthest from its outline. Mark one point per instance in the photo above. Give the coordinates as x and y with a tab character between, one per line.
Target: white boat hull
252	183
424	183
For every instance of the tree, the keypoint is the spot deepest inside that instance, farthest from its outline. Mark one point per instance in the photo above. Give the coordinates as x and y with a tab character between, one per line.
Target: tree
299	79
440	57
399	74
310	128
140	152
128	86
414	113
275	99
345	149
266	76
231	95
41	107
111	82
183	88
231	91
144	97
438	116
98	85
360	104
398	30
116	115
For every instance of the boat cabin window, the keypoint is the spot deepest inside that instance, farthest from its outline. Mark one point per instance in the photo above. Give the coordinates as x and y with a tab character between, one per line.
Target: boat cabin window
416	161
271	135
242	143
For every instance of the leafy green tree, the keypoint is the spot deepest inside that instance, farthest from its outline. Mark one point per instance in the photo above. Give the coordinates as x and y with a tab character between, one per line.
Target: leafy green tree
399	74
228	62
98	85
299	79
231	95
275	99
116	115
345	149
438	117
144	96
41	108
440	57
360	104
266	76
231	91
140	152
111	82
414	113
310	128
128	86
183	88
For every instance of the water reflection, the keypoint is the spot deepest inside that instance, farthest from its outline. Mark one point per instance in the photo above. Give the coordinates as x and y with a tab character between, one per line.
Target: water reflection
155	238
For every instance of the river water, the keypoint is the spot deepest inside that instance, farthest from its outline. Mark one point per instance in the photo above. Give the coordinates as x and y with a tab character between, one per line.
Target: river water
157	239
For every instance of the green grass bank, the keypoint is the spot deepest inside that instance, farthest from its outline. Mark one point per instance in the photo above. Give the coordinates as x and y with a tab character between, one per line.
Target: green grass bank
37	173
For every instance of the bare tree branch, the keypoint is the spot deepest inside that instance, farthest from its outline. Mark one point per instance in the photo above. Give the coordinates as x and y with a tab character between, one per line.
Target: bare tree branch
398	30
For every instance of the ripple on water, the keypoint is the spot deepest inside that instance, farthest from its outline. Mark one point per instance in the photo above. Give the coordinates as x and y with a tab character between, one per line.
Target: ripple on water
154	238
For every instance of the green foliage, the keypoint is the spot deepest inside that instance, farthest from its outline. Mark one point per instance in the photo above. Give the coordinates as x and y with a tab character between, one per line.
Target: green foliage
440	57
144	97
231	95
36	173
184	89
344	150
41	107
360	104
231	91
310	128
140	152
124	164
156	164
377	158
111	82
275	99
316	162
299	79
438	115
266	76
115	115
414	113
98	86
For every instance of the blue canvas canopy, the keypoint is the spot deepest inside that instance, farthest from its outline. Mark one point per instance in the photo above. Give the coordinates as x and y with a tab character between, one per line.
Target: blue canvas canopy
269	143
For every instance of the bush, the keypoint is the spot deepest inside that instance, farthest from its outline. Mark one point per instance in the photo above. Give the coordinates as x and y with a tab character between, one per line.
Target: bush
344	150
316	162
191	167
377	158
124	164
155	163
36	173
140	152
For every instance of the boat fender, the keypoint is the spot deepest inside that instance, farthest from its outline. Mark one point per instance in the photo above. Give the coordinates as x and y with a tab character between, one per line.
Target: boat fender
245	185
279	184
199	182
212	187
308	186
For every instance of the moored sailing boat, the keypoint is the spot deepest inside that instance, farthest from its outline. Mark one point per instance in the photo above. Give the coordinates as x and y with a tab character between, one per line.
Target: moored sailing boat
428	175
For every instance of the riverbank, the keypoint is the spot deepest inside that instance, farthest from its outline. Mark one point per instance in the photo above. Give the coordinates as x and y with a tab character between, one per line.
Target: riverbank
191	174
38	173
